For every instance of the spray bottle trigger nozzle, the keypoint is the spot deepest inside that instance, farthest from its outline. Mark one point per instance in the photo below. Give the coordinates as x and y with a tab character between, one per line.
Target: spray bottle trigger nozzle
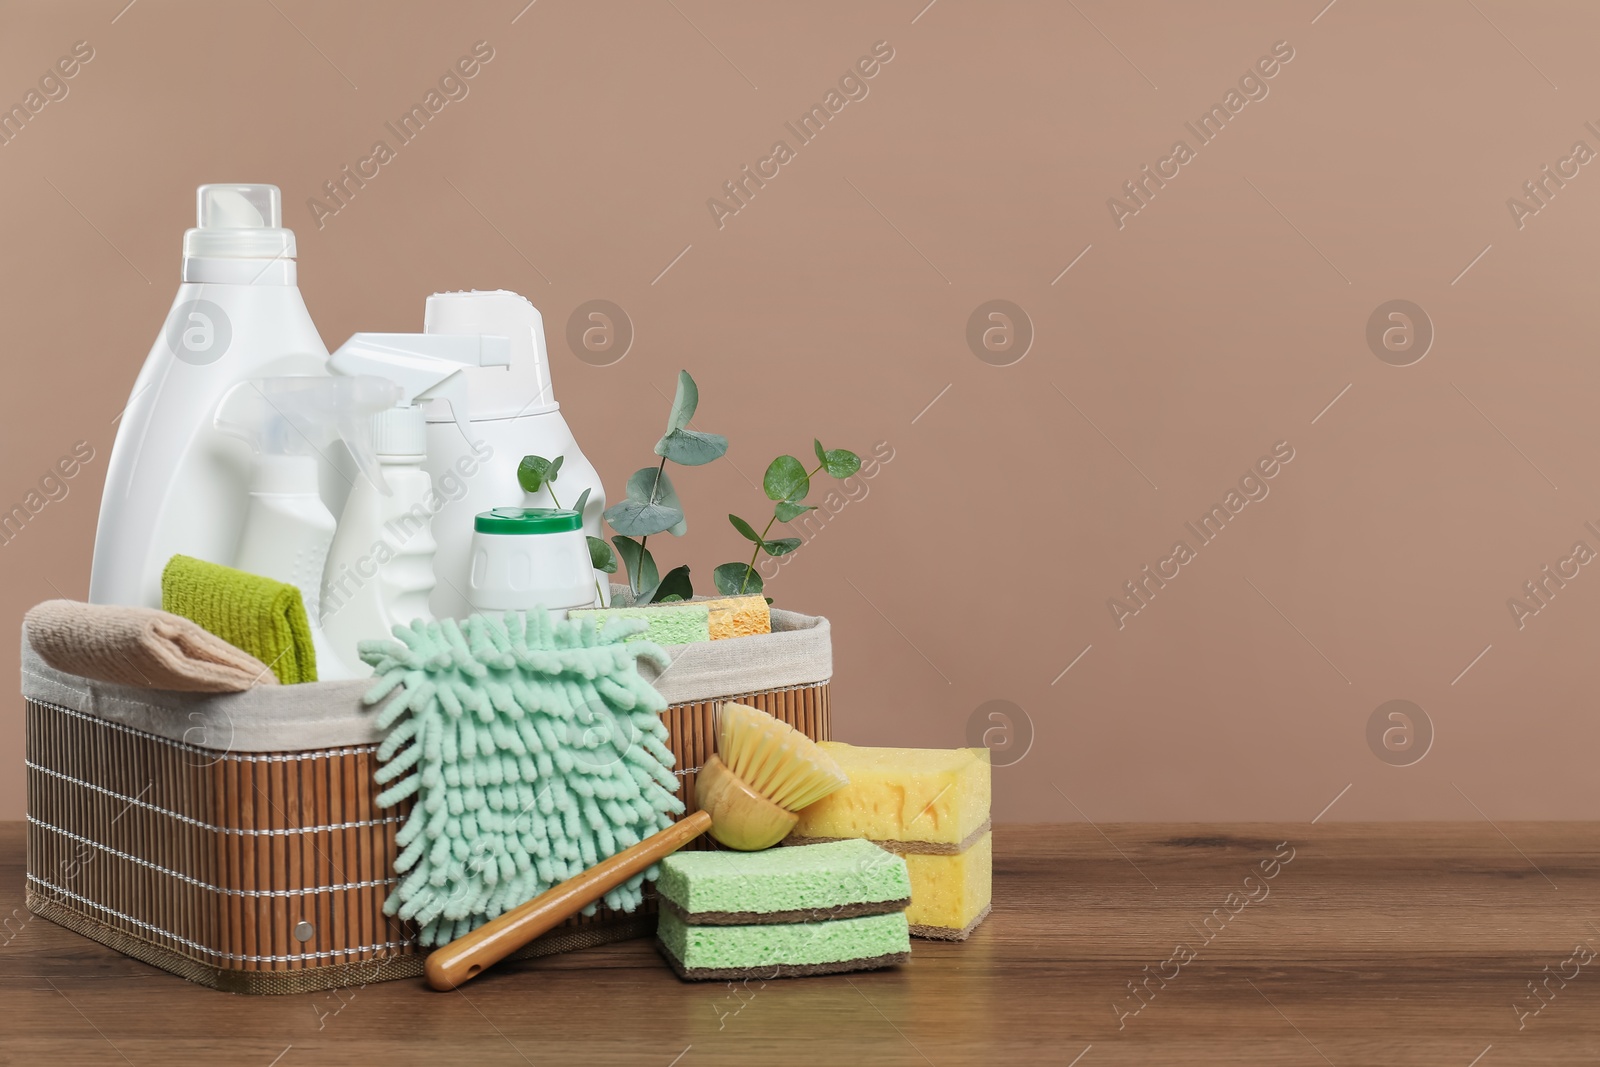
288	416
426	366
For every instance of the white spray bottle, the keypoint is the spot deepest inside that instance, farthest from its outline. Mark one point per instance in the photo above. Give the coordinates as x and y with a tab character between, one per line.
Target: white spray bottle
513	413
287	528
175	484
380	568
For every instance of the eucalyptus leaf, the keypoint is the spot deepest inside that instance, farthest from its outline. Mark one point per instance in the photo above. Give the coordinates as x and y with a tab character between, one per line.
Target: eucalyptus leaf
651	485
786	480
838	462
780	546
670	598
637	518
601	558
651	506
746	531
787	512
675	584
684	403
535	471
555	467
640	563
691	448
583	498
735	578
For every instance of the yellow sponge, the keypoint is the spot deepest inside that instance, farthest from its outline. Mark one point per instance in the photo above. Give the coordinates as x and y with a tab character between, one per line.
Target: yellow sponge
950	894
935	796
738	616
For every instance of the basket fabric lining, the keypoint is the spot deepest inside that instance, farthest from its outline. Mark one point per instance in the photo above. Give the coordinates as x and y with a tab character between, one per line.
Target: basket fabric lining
254	724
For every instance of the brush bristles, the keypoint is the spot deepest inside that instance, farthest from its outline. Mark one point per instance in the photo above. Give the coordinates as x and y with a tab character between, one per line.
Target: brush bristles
775	759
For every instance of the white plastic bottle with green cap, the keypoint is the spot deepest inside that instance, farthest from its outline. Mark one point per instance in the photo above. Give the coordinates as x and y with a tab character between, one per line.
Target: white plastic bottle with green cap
527	558
380	568
175	483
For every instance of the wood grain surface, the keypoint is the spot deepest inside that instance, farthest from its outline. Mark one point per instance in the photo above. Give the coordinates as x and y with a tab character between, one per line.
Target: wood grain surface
1342	944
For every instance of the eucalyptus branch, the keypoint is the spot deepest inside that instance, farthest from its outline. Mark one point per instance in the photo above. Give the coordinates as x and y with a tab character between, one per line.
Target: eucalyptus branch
786	484
750	568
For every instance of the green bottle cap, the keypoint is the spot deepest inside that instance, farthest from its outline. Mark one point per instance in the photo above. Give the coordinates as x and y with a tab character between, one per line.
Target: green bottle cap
527	521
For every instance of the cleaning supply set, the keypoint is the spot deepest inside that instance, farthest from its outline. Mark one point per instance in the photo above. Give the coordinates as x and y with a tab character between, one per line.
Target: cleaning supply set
237	837
246	445
351	526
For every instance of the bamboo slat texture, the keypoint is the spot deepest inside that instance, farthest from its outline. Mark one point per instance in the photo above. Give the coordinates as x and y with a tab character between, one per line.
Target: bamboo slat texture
263	872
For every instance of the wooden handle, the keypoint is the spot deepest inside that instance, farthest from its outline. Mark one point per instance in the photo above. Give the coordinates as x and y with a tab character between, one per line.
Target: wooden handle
462	959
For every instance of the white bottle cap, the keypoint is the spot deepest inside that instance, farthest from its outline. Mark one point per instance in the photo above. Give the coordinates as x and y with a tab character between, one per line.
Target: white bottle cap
400	431
239	222
523	388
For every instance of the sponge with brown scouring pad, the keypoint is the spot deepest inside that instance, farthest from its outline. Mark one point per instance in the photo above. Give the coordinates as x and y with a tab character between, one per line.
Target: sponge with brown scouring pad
839	879
783	950
738	616
930	806
816	909
734	616
684	624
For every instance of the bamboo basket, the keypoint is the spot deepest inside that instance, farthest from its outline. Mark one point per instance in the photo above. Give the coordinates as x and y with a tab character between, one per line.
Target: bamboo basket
266	871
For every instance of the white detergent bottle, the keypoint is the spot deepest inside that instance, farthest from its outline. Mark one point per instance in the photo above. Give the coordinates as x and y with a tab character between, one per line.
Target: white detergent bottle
176	484
380	568
512	413
288	530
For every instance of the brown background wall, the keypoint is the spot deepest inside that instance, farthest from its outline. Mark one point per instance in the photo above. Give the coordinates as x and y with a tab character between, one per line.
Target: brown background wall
1223	318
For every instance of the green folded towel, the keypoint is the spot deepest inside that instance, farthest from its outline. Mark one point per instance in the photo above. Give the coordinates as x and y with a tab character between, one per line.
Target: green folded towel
265	618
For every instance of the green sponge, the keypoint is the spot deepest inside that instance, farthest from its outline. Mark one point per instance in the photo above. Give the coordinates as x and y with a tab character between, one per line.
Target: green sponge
680	624
835	880
780	950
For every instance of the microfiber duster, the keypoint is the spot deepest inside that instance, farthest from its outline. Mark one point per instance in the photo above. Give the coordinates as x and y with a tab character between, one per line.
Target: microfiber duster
535	751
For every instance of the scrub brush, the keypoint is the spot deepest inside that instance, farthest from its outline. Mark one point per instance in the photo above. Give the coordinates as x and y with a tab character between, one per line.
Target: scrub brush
749	798
763	772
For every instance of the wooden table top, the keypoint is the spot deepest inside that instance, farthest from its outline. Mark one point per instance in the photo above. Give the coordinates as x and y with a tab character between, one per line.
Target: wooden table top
1347	944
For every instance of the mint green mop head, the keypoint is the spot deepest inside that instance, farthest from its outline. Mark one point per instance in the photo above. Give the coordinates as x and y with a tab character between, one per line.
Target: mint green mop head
535	751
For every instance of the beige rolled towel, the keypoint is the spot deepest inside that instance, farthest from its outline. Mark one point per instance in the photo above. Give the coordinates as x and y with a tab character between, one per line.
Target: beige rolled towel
140	647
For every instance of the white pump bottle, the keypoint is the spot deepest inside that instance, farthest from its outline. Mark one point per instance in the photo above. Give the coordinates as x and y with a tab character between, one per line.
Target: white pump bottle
380	568
175	483
513	413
